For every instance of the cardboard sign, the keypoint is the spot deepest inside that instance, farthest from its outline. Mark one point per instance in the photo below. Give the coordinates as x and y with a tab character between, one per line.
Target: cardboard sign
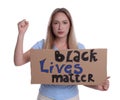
69	67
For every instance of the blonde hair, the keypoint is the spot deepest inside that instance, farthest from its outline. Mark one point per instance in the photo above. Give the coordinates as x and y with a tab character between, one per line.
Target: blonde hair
71	40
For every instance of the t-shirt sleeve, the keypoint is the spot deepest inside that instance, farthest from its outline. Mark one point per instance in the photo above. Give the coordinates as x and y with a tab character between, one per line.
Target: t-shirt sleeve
81	46
38	45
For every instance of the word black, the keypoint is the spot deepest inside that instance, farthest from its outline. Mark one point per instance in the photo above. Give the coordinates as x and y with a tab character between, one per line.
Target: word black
85	56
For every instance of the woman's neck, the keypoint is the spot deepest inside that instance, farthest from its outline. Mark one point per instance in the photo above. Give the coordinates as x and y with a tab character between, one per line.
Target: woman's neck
61	43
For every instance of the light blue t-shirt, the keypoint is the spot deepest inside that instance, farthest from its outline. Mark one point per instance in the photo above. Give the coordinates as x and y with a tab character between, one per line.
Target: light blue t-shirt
57	92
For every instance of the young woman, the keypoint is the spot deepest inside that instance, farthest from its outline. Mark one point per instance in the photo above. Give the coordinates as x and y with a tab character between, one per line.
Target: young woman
60	36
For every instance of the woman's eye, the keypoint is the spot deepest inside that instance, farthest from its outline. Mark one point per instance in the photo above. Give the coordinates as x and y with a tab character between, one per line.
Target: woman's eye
55	23
65	22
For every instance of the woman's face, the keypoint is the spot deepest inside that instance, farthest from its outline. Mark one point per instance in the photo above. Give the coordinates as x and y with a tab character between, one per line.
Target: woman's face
60	25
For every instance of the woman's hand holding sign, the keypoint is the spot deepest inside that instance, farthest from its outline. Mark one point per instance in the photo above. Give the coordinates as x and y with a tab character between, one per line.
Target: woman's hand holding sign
104	86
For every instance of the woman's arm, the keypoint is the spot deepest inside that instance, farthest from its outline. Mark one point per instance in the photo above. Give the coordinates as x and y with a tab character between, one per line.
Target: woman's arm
21	58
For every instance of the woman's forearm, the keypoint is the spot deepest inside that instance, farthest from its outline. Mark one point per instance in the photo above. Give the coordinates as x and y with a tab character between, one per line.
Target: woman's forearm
18	53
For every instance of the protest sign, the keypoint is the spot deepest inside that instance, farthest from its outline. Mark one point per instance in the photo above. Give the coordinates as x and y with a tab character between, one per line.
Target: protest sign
68	67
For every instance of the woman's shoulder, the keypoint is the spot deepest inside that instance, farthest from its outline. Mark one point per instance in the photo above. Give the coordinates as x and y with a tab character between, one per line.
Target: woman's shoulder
80	46
39	44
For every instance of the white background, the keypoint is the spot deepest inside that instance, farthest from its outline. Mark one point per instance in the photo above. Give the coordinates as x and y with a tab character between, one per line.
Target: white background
97	25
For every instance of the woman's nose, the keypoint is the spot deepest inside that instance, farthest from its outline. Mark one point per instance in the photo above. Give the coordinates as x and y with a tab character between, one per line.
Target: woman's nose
60	26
